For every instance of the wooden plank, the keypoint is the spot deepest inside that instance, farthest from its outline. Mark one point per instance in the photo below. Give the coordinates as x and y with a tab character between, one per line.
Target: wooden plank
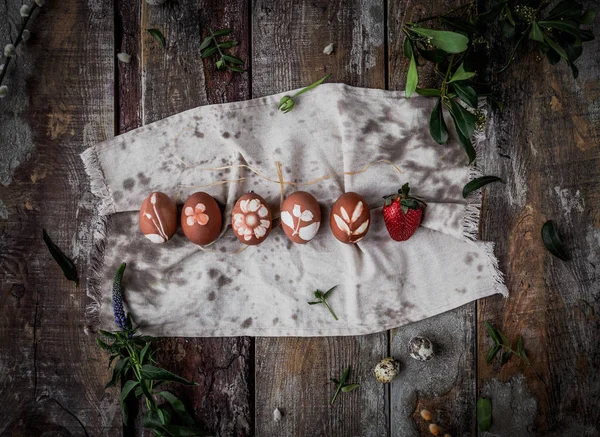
60	104
292	374
176	79
444	386
545	147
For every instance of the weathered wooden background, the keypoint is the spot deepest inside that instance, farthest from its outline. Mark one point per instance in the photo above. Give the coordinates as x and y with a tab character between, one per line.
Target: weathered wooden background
69	92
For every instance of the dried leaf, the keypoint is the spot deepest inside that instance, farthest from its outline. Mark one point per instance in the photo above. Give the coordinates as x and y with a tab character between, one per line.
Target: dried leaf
553	242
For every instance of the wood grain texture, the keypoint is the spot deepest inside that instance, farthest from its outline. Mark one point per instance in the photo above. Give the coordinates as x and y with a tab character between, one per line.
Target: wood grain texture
53	373
545	145
173	80
292	374
445	385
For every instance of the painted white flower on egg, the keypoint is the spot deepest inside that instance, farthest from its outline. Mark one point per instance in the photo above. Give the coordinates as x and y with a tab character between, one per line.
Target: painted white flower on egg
345	222
253	219
305	232
196	215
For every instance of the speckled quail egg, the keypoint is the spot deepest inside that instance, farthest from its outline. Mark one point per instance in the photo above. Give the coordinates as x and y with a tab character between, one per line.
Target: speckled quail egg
420	348
386	370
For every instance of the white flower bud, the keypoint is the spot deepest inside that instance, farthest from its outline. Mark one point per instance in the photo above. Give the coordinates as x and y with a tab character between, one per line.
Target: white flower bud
3	91
24	11
124	57
40	3
9	50
328	50
26	35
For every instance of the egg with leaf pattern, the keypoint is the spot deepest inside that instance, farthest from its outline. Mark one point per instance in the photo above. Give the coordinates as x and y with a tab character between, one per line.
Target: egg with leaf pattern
158	217
350	218
300	217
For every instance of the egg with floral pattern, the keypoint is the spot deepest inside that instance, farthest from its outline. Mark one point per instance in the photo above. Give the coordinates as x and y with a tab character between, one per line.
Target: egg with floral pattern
201	218
251	219
350	218
300	217
158	217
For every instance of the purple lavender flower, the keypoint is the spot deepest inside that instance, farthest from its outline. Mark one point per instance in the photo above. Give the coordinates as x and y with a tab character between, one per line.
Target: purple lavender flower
121	319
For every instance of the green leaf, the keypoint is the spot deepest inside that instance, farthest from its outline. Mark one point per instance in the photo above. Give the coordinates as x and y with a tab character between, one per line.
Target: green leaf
476	184
144	352
566	26
350	387
505	358
209	52
558	49
435	55
345	375
148	395
504	339
328	292
428	92
407	48
462	122
158	36
466	93
234	68
412	78
233	59
156	373
508	29
450	42
125	391
314	303
228	44
521	350
437	125
410	203
119	369
107	333
461	74
464	119
460	24
492	353
152	420
178	407
565	9
588	17
553	242
222	32
484	414
65	263
536	33
206	42
335	381
492	331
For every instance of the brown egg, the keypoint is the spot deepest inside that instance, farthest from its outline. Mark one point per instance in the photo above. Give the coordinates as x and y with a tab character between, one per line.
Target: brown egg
300	217
251	219
158	217
350	218
201	219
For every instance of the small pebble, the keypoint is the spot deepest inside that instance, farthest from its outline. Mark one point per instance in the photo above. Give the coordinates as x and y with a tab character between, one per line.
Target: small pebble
386	370
426	414
276	415
434	429
420	348
328	50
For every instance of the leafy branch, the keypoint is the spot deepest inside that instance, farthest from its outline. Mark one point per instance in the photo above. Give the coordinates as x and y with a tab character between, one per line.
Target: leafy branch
322	298
456	55
502	343
211	46
342	386
136	369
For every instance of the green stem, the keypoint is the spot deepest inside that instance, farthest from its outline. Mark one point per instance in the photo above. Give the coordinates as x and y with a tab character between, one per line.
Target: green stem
18	40
337	391
311	86
329	308
446	76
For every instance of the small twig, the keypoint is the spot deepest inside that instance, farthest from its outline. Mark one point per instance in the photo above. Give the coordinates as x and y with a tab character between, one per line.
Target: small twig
17	41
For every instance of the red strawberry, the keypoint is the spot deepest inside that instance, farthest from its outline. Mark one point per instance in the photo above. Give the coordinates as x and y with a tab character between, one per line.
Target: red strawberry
402	214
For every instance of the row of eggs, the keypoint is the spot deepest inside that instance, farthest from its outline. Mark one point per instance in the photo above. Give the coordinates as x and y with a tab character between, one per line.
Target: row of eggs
251	218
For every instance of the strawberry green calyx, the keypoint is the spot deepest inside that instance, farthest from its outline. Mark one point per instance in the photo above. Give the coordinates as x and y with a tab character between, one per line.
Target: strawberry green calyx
406	201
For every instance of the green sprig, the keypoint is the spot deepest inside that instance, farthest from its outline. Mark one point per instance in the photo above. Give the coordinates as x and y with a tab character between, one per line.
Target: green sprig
287	103
211	46
342	386
502	343
322	298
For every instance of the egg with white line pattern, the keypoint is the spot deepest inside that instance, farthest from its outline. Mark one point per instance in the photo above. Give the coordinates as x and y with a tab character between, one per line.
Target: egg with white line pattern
158	217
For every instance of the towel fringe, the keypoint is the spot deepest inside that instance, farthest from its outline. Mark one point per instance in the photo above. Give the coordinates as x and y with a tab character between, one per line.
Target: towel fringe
100	222
497	275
